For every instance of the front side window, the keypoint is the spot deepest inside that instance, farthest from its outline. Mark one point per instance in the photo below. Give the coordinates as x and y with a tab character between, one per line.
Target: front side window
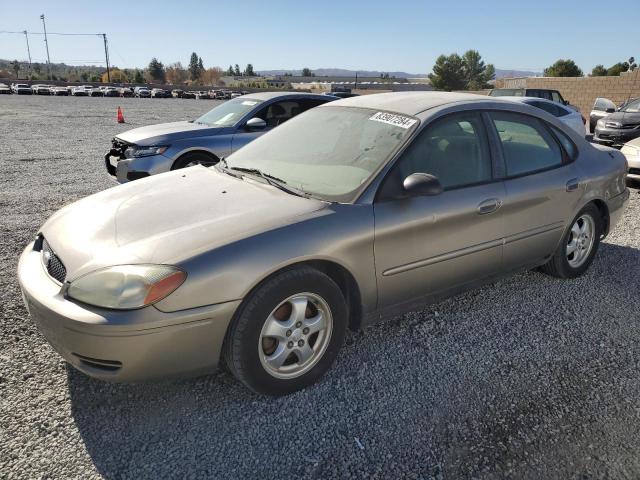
453	149
632	107
330	152
527	145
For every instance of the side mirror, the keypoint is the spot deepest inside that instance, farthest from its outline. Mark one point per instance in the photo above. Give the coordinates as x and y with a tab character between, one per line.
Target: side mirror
421	184
610	110
256	124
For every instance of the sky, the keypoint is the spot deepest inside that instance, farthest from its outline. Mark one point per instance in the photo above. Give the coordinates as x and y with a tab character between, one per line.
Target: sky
392	35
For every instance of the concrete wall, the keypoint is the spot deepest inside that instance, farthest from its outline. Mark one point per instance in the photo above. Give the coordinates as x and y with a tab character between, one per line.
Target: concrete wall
582	91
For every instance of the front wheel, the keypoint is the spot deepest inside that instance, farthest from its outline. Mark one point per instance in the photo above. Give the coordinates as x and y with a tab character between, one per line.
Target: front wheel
287	333
194	158
578	246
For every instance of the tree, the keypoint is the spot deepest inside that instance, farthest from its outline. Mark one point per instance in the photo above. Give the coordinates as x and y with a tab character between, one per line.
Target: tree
138	77
155	71
306	72
477	74
236	70
16	67
117	76
448	73
599	71
619	68
176	74
211	76
230	72
248	72
200	66
194	67
563	68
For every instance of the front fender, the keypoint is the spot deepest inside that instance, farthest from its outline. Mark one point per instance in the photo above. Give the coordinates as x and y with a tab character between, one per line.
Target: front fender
342	234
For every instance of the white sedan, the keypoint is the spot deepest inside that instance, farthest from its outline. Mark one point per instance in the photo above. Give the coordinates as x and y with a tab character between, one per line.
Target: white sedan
631	151
567	115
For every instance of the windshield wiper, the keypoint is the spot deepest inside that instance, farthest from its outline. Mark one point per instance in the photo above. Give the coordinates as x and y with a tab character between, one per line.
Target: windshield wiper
222	166
271	180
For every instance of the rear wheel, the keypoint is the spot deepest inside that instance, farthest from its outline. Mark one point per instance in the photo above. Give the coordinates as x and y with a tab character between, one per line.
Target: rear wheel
287	333
579	245
194	158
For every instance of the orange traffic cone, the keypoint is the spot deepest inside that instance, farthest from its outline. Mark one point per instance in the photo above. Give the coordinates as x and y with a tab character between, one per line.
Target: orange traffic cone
120	116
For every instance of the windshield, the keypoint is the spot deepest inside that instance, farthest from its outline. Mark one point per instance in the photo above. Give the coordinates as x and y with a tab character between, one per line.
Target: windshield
228	113
632	107
328	152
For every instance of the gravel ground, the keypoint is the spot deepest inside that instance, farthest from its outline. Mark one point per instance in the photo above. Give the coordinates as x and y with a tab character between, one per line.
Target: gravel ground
531	377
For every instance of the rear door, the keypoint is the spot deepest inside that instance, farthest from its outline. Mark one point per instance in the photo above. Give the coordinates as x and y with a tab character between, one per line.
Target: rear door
542	185
429	244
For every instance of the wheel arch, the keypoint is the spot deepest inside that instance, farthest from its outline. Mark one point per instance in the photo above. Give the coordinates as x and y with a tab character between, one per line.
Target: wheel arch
604	213
200	150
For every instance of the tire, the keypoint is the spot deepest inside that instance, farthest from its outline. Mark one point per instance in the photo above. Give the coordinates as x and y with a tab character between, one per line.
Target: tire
193	158
565	264
249	350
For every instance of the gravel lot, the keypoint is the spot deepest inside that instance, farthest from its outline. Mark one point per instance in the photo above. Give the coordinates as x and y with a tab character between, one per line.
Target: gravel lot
532	377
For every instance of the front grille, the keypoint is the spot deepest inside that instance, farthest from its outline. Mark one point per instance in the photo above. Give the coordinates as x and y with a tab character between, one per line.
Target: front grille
621	126
52	263
98	363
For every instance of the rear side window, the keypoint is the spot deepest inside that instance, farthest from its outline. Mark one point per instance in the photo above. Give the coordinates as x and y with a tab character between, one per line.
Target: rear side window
555	110
454	149
556	97
527	145
567	144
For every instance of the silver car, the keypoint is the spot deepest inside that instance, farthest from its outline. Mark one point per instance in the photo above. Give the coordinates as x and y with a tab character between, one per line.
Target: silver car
159	148
352	212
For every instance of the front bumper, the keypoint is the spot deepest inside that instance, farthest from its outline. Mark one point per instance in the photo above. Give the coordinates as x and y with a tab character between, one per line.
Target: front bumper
610	136
127	170
123	346
634	166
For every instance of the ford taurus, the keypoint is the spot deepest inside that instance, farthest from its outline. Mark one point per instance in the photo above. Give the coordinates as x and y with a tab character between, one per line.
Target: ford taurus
350	213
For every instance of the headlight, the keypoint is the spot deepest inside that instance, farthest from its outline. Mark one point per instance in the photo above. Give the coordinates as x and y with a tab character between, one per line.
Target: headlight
134	151
126	287
600	123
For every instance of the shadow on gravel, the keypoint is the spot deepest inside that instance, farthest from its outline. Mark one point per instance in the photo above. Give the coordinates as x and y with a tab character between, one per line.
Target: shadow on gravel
511	385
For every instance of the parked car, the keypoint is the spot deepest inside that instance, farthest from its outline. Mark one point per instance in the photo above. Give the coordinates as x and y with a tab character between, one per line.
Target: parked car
41	89
177	93
80	91
547	94
566	115
631	151
602	107
59	91
236	94
142	92
21	89
218	95
189	94
126	92
157	93
202	95
111	92
5	89
619	127
95	92
356	211
155	149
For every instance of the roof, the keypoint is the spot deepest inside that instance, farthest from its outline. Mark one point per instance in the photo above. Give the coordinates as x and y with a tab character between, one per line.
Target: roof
270	95
408	103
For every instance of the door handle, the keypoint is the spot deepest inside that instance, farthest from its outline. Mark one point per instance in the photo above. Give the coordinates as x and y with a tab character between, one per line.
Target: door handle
489	206
573	184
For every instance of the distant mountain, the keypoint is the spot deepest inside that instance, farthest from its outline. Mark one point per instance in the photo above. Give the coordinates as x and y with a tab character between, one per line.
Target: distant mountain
342	72
516	73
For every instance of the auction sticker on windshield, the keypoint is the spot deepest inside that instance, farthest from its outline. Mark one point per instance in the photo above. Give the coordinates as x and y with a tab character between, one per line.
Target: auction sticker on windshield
393	119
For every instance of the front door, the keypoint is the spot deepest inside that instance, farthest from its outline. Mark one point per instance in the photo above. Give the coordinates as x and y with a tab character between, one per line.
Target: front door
430	244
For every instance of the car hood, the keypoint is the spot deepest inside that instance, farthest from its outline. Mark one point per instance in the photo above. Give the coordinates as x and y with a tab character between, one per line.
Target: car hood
624	117
166	132
168	218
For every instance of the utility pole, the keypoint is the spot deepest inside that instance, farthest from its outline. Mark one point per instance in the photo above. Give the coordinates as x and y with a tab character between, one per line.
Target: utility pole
355	87
26	37
106	56
44	26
